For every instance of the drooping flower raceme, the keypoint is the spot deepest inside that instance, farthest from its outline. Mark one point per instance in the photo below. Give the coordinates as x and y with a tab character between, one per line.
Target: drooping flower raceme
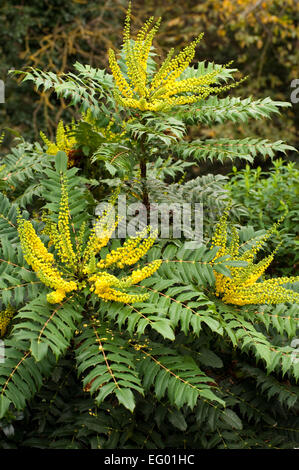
76	265
166	88
245	285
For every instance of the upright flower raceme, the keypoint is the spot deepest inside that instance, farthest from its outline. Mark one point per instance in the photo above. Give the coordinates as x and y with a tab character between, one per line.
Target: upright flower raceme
5	319
77	265
165	89
64	141
245	285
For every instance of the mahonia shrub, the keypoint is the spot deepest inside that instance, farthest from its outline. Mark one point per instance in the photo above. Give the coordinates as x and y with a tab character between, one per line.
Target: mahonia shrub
127	345
204	334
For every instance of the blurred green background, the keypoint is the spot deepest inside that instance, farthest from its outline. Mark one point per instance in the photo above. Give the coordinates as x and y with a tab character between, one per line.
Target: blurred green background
262	37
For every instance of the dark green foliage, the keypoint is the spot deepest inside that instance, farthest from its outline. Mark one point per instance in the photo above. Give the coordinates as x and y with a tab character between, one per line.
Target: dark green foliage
261	413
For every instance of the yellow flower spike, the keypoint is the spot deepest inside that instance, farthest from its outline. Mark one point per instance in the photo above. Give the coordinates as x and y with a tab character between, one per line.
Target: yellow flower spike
103	280
197	85
262	293
139	274
233	249
132	256
178	64
32	244
134	72
65	246
220	236
127	27
51	230
138	47
251	253
5	319
101	232
162	72
63	141
80	239
123	297
244	287
251	276
52	148
121	83
102	286
145	50
100	235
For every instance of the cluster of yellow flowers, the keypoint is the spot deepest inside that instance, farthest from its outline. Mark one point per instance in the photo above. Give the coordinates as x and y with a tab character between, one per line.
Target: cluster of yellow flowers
243	287
67	142
43	262
165	89
131	251
64	141
78	264
99	237
5	318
